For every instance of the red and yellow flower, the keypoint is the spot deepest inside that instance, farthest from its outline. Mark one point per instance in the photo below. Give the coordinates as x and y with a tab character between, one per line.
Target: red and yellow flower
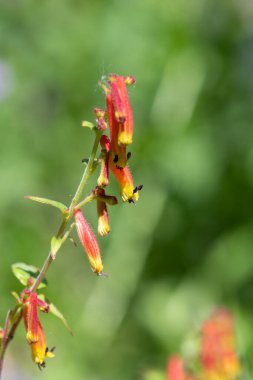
34	332
89	242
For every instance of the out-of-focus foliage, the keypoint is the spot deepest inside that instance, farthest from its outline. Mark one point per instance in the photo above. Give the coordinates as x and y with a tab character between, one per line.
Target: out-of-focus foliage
187	245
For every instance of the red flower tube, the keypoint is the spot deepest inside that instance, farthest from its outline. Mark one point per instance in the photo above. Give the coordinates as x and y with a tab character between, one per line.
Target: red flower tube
123	112
118	151
35	334
89	242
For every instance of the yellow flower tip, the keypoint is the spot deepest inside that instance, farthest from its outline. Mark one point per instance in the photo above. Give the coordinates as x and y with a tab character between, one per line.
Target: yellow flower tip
125	138
130	194
31	338
103	228
97	268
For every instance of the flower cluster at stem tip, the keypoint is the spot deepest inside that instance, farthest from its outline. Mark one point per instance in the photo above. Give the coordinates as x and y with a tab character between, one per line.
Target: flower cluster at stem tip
113	158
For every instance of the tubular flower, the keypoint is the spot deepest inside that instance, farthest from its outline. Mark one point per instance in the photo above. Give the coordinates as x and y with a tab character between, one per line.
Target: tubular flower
218	355
89	242
31	318
123	112
103	179
128	192
118	151
35	334
175	368
103	220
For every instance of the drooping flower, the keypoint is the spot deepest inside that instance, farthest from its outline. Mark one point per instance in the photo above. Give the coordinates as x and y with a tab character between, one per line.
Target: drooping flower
218	349
129	193
35	334
89	242
103	219
103	179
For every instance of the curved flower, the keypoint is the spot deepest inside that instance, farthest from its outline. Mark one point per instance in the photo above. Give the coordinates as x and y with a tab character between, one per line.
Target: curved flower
89	242
129	193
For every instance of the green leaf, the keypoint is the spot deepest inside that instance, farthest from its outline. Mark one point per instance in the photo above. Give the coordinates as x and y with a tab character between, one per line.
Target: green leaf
55	246
49	202
88	124
26	274
53	310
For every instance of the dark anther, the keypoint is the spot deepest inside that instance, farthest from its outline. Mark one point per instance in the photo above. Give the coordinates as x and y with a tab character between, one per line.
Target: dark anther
129	154
140	187
52	349
135	190
116	158
46	350
130	200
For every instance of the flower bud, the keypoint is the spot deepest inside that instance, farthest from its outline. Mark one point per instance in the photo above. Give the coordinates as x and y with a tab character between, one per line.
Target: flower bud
89	242
103	179
103	220
100	115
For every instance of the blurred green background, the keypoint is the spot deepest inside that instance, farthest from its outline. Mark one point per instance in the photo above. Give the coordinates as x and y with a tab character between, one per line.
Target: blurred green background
187	245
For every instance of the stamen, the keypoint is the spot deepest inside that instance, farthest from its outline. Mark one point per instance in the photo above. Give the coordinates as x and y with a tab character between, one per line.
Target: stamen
116	158
129	154
140	187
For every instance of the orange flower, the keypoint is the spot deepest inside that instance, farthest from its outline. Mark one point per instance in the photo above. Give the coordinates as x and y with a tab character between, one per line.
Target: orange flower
103	220
35	334
118	151
123	112
128	192
218	355
89	242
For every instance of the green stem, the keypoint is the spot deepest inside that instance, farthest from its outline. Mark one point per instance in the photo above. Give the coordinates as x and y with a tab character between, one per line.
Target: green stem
66	218
87	172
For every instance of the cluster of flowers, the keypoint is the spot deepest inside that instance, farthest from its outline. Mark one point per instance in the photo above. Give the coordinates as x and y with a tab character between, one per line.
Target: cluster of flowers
113	158
218	357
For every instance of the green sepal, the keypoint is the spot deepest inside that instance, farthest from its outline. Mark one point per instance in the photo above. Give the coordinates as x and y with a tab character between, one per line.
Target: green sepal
16	296
88	124
27	274
53	310
49	202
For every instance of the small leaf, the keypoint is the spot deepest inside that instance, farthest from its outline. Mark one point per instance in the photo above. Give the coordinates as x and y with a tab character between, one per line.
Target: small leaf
16	296
55	246
53	310
49	202
27	274
88	124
